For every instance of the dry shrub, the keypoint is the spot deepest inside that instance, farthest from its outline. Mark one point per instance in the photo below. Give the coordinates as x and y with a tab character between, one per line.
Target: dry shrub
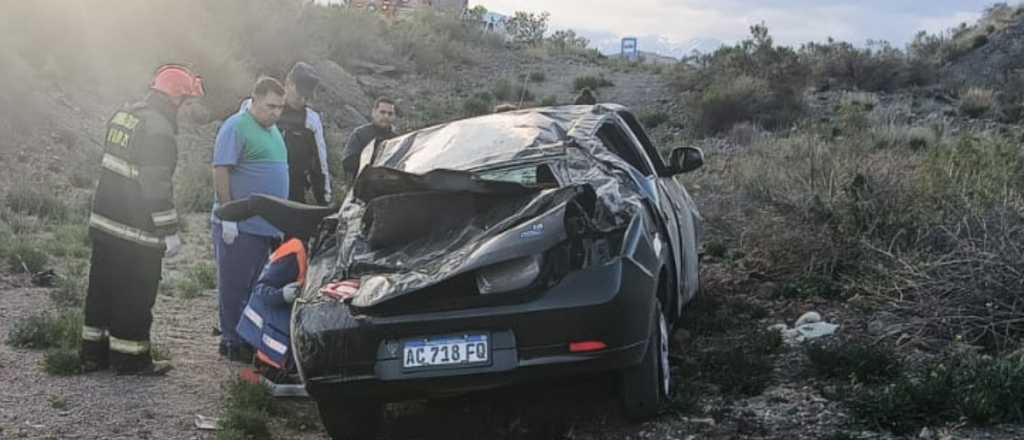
961	269
976	102
743	134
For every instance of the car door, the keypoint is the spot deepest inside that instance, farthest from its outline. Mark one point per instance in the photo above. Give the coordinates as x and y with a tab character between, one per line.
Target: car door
679	208
620	138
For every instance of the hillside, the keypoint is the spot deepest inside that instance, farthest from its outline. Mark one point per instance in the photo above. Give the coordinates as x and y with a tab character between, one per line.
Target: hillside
878	188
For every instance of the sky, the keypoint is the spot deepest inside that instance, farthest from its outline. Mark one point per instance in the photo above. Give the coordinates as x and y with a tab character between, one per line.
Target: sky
791	22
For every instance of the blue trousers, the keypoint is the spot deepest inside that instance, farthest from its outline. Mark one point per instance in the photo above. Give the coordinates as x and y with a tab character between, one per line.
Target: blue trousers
238	267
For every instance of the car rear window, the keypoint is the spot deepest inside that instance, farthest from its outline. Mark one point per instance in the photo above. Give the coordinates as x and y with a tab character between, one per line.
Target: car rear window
527	175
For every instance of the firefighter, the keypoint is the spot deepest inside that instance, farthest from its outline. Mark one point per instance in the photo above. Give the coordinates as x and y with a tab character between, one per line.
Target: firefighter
266	318
133	226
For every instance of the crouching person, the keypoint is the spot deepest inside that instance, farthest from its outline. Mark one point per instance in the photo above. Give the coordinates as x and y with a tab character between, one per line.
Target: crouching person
265	322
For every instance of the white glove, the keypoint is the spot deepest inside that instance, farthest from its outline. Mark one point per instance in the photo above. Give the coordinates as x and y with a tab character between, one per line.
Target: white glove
290	291
173	245
229	232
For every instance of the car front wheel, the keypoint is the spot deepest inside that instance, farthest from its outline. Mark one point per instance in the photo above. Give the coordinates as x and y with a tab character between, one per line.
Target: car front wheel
645	387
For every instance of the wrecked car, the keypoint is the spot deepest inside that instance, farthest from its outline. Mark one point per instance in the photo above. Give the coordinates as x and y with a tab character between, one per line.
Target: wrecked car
497	250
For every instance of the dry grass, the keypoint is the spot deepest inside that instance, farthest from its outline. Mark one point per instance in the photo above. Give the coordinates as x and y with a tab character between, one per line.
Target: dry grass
976	102
905	213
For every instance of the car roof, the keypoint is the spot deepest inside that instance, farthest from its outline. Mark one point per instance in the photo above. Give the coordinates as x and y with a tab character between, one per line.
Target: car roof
491	139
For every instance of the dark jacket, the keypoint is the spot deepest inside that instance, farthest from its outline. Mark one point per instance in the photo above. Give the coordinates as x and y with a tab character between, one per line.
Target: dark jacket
359	139
134	198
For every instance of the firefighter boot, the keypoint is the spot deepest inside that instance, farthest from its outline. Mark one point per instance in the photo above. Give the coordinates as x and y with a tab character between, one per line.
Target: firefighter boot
138	365
94	356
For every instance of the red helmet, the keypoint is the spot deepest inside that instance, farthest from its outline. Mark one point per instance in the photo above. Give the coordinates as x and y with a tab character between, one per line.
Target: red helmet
176	81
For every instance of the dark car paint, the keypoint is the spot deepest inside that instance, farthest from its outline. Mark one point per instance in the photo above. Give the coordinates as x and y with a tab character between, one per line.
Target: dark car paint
611	303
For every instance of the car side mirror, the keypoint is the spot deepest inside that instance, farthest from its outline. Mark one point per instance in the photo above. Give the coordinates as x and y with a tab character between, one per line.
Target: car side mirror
686	159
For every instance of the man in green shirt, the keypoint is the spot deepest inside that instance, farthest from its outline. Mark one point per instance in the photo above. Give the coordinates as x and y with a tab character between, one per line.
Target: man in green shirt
249	158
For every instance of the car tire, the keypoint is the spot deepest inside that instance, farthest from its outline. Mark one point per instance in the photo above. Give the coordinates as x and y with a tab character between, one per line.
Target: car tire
350	419
645	387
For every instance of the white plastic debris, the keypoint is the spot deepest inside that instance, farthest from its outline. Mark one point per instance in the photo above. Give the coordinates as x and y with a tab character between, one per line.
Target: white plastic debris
809	326
206	423
808	318
816	330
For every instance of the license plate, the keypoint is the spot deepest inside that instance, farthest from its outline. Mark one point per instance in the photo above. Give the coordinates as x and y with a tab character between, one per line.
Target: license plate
446	351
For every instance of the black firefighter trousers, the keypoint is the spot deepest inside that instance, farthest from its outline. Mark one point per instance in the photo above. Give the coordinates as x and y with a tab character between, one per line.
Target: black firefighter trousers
123	282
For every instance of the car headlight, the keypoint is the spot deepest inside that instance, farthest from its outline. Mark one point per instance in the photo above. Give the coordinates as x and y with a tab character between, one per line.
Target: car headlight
508	276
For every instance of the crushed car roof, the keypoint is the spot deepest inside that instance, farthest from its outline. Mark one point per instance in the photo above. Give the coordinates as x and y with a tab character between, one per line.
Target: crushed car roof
496	138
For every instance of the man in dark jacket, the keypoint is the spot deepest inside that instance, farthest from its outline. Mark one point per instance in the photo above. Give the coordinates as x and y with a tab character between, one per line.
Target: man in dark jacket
134	225
303	134
381	129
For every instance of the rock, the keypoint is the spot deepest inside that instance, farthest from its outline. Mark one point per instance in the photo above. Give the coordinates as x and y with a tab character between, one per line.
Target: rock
374	68
701	421
926	434
376	83
339	89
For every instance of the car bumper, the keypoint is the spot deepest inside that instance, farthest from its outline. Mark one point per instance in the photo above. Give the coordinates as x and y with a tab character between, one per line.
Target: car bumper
359	356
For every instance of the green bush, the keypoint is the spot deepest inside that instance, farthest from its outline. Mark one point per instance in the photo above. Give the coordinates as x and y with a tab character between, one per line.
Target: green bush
878	67
31	200
44	330
478	105
70	289
62	362
730	101
653	119
205	275
538	77
433	41
185	288
231	434
69	240
717	249
981	389
856	361
24	257
549	101
247	406
590	81
507	90
812	285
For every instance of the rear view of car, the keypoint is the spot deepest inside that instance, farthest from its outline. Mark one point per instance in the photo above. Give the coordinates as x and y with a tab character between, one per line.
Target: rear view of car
487	252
